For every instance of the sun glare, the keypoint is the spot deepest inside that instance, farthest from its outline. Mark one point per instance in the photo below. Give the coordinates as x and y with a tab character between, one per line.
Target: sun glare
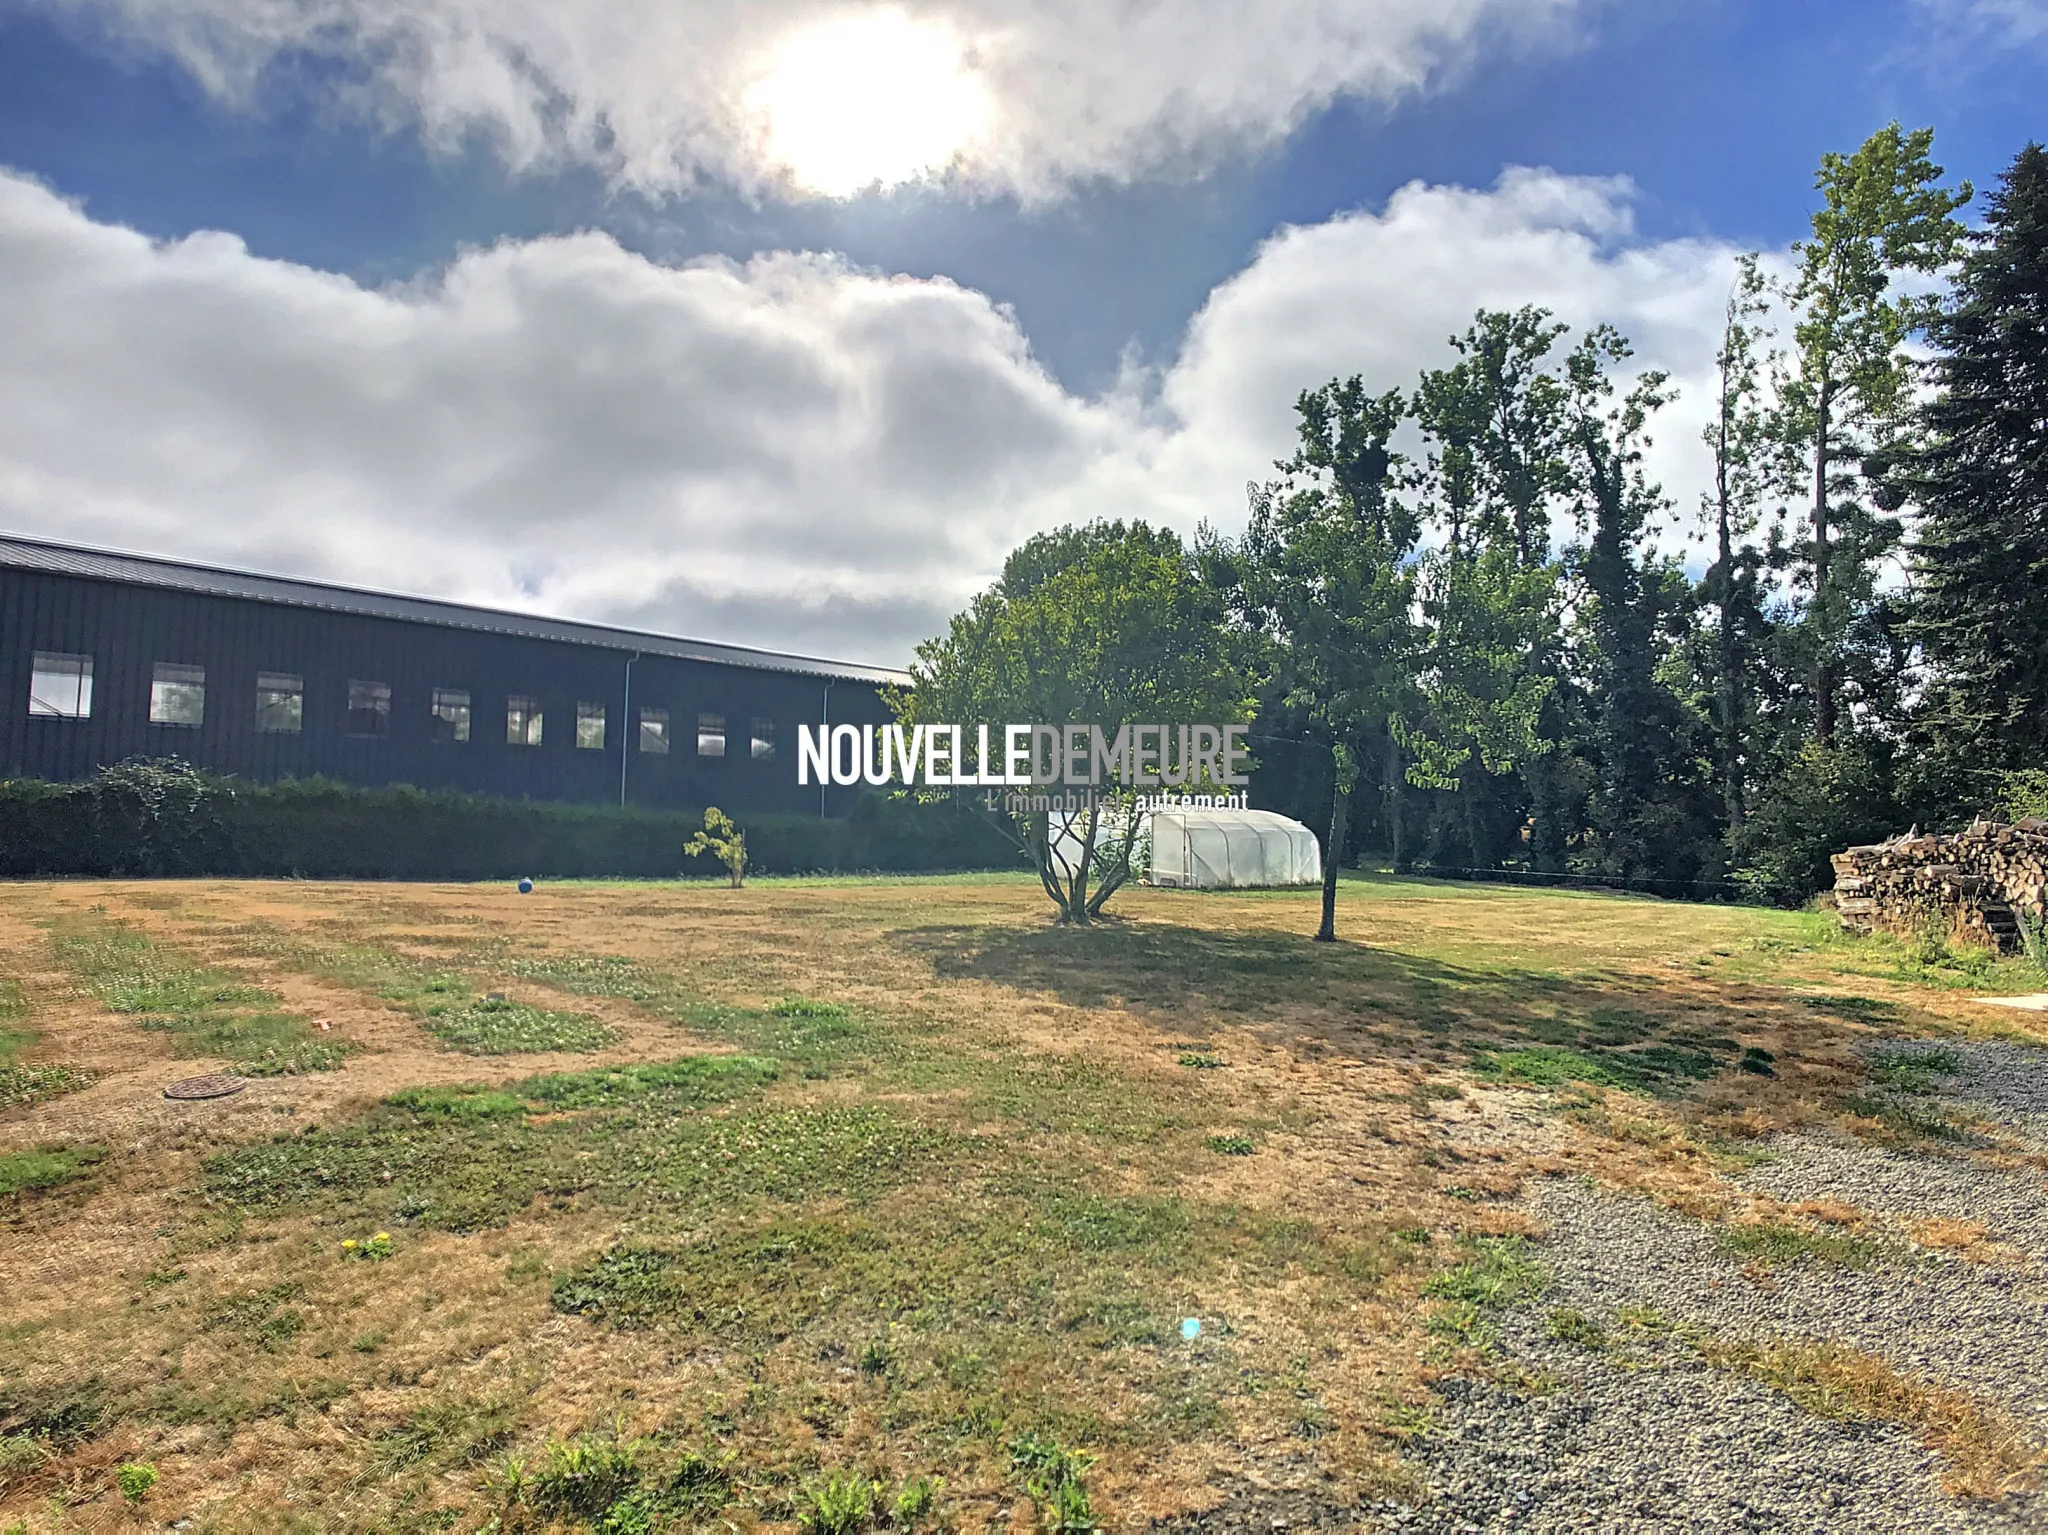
875	99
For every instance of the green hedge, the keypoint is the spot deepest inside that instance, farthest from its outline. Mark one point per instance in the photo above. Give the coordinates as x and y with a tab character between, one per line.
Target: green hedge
165	818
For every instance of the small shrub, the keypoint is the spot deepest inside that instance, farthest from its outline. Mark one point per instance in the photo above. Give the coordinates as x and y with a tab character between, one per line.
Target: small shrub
876	1358
723	841
1055	1480
135	1479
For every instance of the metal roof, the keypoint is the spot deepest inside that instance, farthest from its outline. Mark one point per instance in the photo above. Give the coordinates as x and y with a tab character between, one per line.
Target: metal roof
172	575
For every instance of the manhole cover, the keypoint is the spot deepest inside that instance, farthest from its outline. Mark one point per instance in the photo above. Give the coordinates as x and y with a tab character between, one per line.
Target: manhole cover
205	1087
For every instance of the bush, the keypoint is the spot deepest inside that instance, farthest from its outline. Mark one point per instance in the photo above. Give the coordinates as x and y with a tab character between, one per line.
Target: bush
1826	799
164	817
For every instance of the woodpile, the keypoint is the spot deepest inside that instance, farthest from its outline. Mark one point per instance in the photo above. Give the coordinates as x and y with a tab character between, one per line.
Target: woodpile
1976	885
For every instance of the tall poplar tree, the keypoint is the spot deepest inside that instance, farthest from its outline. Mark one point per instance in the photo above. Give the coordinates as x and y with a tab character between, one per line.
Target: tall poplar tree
1737	437
1980	481
1883	216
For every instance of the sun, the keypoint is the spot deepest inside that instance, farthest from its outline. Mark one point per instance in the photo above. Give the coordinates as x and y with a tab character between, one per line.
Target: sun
868	100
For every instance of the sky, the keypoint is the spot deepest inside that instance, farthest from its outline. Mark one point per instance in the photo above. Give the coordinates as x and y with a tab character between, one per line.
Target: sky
780	322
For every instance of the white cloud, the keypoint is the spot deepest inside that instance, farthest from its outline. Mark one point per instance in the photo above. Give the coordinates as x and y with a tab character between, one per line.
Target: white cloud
789	452
1032	95
2016	22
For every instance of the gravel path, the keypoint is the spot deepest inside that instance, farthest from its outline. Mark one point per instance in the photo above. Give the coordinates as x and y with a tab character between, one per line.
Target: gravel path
1645	1436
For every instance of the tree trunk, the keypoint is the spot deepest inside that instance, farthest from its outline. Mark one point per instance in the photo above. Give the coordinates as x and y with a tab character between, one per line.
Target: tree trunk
1397	779
1731	696
1824	640
1333	854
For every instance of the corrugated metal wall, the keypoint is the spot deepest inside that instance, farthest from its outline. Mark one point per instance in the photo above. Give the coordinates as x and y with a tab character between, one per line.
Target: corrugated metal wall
128	629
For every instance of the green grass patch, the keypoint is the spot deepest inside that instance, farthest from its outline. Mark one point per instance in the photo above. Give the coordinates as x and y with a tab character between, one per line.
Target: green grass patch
636	1137
448	1004
1778	1243
46	1167
1654	1069
1898	1082
20	1084
208	1011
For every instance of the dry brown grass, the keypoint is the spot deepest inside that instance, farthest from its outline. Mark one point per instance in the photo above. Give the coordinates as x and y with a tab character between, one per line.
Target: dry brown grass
1987	1453
1052	1055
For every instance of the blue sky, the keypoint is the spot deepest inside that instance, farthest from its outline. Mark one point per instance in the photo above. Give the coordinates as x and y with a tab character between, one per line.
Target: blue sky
1102	246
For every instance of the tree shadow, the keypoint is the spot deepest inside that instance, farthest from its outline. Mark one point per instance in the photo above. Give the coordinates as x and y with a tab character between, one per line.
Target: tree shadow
1344	998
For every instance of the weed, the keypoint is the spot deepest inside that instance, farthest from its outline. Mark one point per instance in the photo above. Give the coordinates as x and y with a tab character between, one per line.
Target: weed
1199	1061
135	1479
265	1317
22	1085
581	1477
916	1500
1757	1061
1915	1072
843	1503
628	1287
1571	1326
876	1358
371	1249
1231	1145
45	1167
1498	1273
1055	1480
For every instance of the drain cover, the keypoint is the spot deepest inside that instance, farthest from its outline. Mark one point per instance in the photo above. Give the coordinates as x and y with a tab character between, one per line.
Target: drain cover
205	1087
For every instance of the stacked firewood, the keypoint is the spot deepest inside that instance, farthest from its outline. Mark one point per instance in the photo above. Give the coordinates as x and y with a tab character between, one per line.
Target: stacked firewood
1977	885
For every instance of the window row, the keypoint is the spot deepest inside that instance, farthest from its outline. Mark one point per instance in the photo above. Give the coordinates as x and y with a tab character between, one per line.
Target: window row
60	687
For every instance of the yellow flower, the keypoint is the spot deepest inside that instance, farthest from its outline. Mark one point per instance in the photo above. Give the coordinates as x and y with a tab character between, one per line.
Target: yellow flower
349	1245
382	1236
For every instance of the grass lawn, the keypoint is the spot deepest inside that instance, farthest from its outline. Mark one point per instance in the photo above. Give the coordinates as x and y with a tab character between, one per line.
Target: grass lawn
844	1203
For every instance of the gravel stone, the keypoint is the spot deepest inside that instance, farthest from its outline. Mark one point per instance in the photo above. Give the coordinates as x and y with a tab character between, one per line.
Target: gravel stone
1645	1436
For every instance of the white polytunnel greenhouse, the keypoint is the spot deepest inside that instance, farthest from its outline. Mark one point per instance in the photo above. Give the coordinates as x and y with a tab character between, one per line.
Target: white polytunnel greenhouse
1195	848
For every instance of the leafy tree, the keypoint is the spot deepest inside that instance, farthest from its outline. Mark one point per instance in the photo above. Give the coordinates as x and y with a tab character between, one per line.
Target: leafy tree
1496	466
1882	217
1637	723
1322	572
1109	623
1980	607
722	840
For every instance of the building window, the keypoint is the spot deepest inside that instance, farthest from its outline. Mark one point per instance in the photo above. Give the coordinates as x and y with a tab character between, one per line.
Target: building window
369	708
522	720
280	703
177	695
711	735
654	731
590	727
451	714
764	740
60	686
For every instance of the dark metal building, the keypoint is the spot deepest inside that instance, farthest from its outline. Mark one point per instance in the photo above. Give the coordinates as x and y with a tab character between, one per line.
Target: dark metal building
105	656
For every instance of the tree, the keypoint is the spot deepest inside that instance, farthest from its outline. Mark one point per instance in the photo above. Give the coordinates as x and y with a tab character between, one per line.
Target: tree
1980	482
1108	623
1882	217
1738	437
1322	572
1495	469
722	840
1637	722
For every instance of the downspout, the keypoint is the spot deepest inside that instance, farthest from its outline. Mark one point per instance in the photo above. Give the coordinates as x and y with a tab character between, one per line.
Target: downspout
626	730
825	725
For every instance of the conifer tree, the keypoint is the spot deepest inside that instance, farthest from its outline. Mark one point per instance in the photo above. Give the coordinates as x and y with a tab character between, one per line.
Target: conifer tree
1980	480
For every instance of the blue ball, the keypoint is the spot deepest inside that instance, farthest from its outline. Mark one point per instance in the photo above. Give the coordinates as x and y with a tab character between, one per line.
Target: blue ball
526	887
